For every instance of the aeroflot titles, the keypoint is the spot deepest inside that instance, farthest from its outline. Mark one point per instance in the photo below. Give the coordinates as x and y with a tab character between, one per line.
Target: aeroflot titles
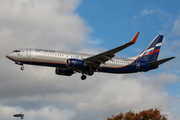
39	50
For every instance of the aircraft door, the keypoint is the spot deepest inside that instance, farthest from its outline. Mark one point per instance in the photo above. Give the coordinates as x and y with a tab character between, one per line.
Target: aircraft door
28	52
137	64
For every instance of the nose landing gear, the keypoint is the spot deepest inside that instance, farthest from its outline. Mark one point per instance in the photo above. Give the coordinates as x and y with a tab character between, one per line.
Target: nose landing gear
83	77
22	68
20	63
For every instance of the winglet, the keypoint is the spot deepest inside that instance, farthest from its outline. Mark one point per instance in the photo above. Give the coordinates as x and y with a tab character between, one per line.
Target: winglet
134	39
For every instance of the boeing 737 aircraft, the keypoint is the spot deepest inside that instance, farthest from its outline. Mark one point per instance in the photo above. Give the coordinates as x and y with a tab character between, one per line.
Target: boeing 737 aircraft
69	63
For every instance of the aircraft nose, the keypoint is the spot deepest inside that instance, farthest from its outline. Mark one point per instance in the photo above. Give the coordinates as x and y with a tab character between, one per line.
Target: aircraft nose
9	55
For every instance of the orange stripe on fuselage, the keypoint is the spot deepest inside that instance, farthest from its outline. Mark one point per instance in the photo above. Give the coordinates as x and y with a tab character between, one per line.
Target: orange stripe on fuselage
69	63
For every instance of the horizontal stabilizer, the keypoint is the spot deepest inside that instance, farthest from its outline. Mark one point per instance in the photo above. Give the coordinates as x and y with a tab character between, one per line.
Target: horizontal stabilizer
157	63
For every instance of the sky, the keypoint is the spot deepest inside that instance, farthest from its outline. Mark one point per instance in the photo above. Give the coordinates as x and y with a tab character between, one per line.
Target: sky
88	27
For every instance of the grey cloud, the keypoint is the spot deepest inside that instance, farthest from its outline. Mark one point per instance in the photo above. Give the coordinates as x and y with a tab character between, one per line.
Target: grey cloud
42	23
98	96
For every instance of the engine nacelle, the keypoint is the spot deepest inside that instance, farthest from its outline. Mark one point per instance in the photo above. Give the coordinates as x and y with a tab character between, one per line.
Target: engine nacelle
61	71
75	63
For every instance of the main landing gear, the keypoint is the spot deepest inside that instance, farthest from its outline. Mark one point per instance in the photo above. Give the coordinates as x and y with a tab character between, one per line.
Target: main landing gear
83	77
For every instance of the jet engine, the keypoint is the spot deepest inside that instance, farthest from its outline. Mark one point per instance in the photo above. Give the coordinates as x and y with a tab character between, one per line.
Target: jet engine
65	72
75	63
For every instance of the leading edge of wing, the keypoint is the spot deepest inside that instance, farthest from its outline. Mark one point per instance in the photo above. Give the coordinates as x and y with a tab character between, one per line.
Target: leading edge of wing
107	55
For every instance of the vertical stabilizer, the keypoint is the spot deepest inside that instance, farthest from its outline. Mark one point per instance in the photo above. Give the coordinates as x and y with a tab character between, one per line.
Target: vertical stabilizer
151	52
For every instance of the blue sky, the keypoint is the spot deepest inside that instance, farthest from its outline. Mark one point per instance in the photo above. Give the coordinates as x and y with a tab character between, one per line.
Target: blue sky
90	26
116	22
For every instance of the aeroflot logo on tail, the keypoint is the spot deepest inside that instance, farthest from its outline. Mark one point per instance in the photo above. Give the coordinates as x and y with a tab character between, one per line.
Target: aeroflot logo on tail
152	50
148	51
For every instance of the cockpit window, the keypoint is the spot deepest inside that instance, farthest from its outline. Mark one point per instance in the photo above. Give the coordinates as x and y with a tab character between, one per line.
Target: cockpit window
16	51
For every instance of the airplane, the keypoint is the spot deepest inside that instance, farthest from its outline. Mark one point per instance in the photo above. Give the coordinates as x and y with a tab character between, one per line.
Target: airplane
19	115
69	63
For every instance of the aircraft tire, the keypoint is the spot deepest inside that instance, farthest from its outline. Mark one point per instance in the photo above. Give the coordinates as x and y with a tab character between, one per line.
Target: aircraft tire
83	77
90	73
22	68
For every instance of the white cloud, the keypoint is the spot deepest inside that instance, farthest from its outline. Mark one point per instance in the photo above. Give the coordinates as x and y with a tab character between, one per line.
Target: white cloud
176	28
46	113
52	23
142	14
95	42
172	42
154	18
135	17
97	98
146	12
42	95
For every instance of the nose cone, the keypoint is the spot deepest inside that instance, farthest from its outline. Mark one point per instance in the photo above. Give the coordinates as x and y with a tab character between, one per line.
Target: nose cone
9	56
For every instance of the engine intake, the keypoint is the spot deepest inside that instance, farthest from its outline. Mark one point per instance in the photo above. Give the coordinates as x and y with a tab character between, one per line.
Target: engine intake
65	72
75	63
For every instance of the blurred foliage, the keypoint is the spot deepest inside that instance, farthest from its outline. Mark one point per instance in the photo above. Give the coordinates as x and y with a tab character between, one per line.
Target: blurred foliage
151	114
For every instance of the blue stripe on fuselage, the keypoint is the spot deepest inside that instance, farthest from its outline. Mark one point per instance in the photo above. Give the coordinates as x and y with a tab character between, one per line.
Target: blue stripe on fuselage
131	68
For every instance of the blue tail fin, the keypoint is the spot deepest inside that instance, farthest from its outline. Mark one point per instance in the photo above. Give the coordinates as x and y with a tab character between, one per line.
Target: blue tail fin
151	52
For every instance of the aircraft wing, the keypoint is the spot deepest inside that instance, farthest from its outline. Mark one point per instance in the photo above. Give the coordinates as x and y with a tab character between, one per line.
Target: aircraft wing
96	60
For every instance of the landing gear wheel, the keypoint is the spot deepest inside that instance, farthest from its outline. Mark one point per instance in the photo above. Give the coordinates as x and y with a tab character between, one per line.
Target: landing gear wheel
90	73
83	77
22	68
